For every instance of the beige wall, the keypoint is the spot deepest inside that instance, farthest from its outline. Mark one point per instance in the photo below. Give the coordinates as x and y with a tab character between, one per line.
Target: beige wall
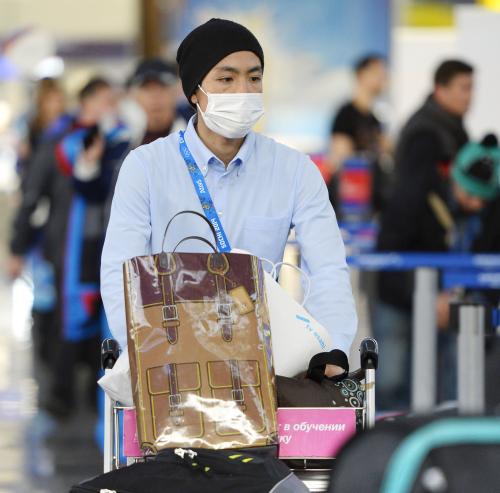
73	19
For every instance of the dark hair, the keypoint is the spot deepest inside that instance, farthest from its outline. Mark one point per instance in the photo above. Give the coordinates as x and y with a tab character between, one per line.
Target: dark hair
44	87
92	86
366	61
450	69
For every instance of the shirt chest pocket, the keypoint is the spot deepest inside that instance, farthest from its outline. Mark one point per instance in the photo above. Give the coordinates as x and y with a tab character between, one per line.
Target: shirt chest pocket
266	236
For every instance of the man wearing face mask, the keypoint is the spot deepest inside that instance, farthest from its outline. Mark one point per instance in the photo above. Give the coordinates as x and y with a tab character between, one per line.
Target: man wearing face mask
256	190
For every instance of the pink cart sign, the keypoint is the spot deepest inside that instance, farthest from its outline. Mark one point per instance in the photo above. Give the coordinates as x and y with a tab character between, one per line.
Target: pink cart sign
314	433
303	432
131	446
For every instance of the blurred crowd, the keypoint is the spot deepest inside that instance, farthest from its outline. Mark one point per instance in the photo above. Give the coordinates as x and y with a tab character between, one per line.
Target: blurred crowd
431	189
68	164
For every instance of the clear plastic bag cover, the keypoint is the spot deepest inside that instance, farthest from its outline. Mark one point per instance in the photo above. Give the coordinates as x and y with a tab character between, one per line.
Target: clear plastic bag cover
200	351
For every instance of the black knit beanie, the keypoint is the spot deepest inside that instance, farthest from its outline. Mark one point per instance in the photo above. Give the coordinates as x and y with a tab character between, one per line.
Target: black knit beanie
207	45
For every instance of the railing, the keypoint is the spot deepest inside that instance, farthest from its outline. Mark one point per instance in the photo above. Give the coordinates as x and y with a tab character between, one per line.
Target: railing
481	271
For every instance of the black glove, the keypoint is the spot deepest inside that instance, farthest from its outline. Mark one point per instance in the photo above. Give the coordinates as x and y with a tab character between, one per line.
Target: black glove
317	365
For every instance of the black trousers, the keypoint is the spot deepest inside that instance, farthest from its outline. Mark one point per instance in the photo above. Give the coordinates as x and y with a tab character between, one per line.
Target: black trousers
71	358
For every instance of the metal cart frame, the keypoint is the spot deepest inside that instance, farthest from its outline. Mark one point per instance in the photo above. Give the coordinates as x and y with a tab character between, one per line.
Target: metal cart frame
316	479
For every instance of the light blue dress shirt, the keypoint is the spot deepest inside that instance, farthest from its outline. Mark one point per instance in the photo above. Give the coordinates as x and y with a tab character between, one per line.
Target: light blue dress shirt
265	191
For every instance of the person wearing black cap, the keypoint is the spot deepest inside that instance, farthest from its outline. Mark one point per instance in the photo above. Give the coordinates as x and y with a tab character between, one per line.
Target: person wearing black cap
255	189
153	88
150	110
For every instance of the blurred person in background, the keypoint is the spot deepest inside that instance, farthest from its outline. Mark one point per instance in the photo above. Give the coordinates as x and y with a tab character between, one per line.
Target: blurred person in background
43	122
151	111
356	131
49	105
417	205
473	219
74	232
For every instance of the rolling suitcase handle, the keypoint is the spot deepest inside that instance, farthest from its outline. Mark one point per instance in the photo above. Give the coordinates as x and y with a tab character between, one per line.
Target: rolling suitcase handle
110	350
368	352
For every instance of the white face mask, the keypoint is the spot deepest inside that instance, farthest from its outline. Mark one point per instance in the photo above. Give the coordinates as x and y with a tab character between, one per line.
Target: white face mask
232	115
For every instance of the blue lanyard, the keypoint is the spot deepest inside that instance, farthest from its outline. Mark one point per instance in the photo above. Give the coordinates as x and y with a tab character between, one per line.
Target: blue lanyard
201	189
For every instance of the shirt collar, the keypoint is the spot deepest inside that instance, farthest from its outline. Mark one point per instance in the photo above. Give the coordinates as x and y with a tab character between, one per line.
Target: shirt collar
205	157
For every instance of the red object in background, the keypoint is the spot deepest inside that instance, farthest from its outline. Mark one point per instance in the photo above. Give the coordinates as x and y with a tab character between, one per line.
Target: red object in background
444	169
62	161
355	186
91	303
320	161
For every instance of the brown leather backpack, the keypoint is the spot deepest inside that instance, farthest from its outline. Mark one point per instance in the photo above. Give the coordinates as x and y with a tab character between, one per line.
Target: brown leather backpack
199	345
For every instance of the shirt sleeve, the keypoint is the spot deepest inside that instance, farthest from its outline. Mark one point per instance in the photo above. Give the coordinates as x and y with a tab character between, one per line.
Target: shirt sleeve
343	122
128	235
323	258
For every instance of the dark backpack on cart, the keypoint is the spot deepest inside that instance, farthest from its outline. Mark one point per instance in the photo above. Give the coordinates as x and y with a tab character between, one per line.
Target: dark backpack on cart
422	455
313	389
200	470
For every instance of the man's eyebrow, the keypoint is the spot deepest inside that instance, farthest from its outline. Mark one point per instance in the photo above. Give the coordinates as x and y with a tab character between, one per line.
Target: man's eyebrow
228	69
257	68
234	70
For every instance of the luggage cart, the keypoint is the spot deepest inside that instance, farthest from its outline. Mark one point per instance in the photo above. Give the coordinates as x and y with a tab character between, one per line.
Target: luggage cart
315	473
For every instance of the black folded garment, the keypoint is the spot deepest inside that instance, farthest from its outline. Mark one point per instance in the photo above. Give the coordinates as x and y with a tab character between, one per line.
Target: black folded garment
195	470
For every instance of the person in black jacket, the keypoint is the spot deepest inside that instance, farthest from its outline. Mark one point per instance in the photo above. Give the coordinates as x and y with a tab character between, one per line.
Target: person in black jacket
464	218
413	216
